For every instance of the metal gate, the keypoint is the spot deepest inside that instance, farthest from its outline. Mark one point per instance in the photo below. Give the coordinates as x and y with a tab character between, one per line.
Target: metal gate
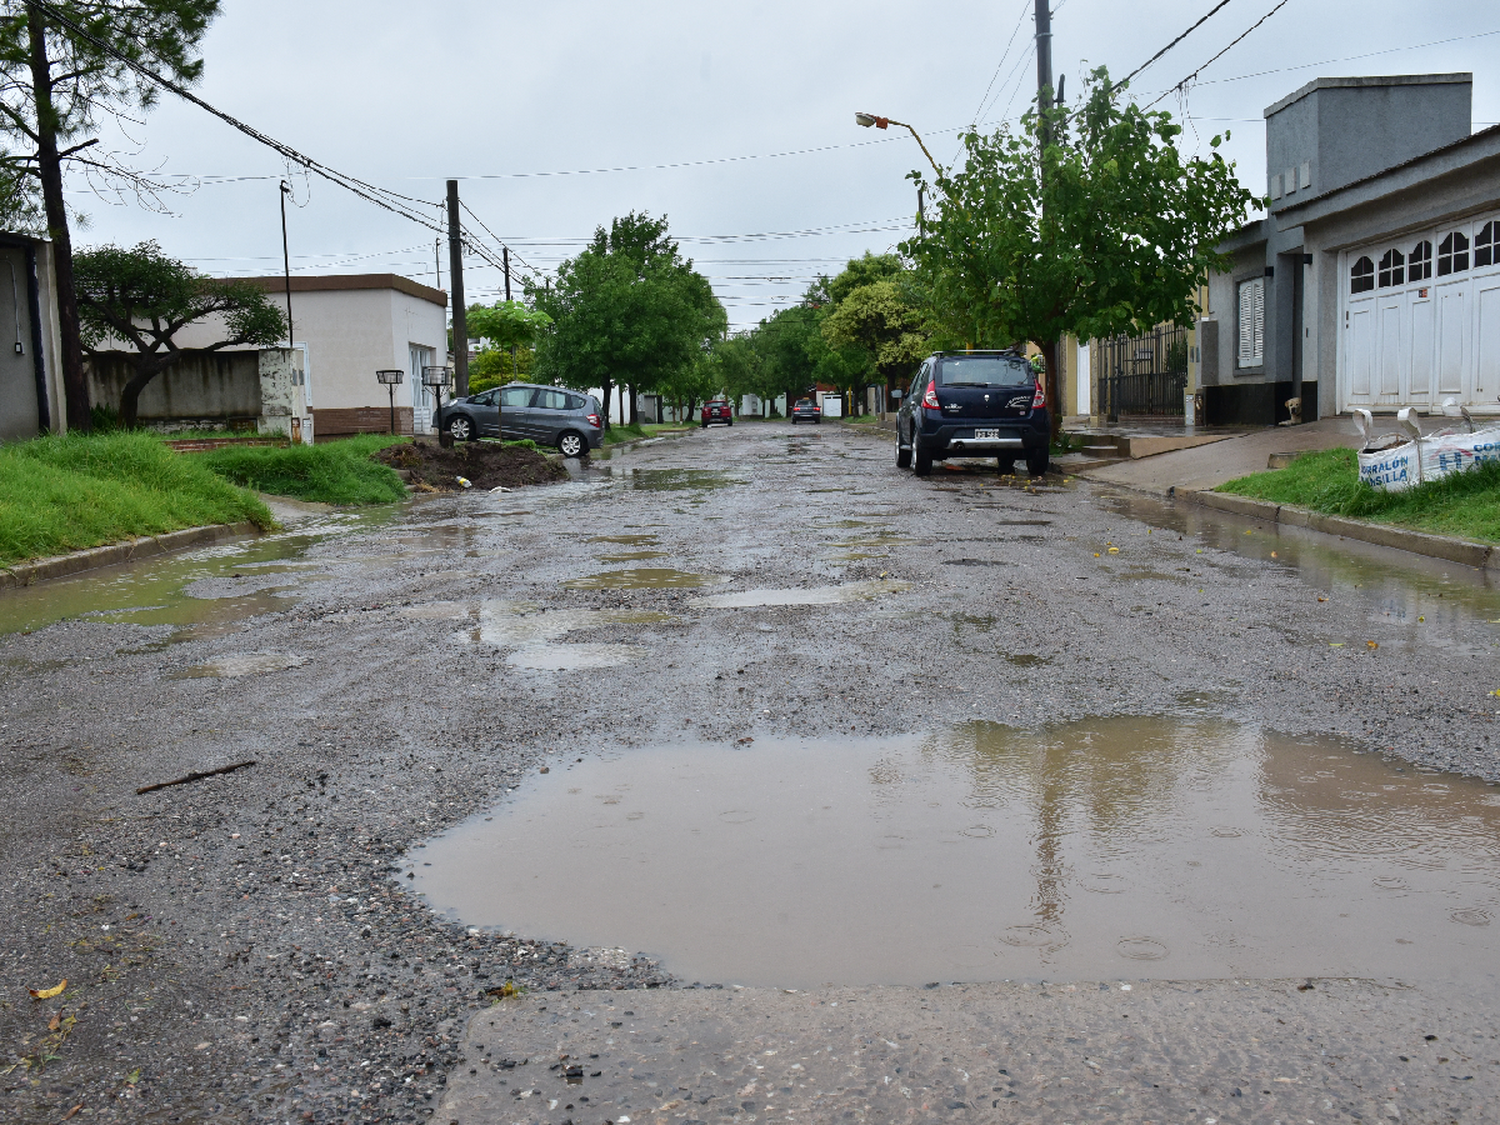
1144	374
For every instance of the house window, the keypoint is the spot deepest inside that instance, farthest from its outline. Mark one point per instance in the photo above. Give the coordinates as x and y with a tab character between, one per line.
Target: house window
1485	248
1392	271
1419	265
1252	322
1453	254
1362	276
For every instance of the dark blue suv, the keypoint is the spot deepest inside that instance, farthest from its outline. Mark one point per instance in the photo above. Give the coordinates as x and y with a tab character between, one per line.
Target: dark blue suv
974	404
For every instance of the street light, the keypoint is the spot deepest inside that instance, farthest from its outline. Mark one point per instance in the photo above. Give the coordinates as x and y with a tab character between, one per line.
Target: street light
391	379
868	119
436	378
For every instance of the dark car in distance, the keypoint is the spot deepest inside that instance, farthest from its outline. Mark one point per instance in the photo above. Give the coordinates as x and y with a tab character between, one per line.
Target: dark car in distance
717	410
974	404
806	410
568	421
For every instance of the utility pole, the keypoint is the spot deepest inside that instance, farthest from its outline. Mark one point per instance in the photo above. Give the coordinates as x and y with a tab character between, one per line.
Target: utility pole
286	265
460	312
1050	349
505	258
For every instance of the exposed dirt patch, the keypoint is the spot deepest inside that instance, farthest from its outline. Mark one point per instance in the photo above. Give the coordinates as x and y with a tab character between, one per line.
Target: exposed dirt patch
485	464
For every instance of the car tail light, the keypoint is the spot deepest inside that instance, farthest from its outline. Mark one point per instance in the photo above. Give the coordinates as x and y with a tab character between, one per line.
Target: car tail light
929	397
1039	399
596	421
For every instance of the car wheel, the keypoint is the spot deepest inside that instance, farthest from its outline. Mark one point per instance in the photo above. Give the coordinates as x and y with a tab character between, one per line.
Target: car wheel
1006	465
460	428
1036	462
705	425
794	419
571	444
903	455
921	458
730	422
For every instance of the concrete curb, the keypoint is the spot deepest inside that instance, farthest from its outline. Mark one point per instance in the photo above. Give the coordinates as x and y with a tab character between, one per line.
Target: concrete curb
27	574
1466	552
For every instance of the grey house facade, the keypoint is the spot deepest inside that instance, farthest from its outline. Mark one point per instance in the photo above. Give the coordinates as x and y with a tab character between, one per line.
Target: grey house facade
1374	279
31	392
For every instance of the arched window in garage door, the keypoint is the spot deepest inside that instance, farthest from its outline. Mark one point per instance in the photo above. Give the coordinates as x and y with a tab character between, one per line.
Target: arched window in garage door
1362	276
1392	268
1453	253
1419	265
1486	249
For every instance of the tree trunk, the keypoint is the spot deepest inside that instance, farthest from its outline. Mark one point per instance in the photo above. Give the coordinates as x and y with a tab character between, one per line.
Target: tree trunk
634	406
49	165
147	367
608	386
1053	386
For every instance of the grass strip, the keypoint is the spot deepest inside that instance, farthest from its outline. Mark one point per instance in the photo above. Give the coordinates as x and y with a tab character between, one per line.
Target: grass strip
61	494
336	472
1465	505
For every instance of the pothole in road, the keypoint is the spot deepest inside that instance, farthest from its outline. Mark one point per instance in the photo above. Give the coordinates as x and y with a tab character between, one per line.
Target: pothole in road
1186	848
672	480
247	664
534	632
631	556
817	595
643	578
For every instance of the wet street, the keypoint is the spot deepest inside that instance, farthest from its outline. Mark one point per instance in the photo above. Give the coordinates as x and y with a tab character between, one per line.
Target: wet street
884	798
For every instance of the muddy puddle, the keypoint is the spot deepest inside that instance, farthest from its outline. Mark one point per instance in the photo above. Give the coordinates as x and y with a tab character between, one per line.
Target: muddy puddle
536	635
1163	848
817	595
205	592
644	578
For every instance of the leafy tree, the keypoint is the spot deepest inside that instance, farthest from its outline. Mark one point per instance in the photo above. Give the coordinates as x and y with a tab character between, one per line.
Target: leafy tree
876	319
62	63
144	298
495	366
1108	232
629	308
506	324
859	272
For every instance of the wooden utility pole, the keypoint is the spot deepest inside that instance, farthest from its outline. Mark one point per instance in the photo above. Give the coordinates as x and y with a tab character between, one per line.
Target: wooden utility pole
460	311
1050	352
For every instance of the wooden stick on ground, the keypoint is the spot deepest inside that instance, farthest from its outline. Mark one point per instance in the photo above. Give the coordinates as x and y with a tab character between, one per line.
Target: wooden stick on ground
194	777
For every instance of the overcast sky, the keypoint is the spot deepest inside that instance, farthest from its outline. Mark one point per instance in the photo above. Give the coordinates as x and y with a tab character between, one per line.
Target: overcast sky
733	119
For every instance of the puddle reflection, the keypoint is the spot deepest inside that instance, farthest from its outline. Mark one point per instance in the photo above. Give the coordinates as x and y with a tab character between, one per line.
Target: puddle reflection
1178	848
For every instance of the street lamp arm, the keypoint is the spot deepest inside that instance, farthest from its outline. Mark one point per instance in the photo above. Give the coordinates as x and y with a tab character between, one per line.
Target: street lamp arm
868	119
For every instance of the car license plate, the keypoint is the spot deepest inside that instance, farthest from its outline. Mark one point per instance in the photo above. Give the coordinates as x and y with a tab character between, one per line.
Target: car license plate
986	435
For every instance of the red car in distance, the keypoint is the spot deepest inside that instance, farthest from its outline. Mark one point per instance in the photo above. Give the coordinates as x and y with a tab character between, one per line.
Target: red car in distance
717	410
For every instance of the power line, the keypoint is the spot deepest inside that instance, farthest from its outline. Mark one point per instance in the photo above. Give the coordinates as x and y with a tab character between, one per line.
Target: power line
1174	43
1183	84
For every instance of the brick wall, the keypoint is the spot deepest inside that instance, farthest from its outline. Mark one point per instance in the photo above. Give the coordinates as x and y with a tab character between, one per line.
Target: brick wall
359	420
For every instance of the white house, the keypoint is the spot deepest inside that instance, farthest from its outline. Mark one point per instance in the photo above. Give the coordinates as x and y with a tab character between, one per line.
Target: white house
348	327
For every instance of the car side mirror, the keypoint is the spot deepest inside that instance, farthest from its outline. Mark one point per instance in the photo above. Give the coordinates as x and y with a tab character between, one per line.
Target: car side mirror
897	395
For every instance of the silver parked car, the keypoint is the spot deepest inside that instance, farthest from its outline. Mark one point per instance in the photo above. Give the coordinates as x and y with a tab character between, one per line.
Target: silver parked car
570	421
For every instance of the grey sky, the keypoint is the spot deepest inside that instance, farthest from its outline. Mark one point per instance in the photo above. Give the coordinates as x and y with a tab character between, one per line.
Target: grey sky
736	119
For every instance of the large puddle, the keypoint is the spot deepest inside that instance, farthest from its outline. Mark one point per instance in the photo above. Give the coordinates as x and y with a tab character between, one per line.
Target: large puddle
1164	848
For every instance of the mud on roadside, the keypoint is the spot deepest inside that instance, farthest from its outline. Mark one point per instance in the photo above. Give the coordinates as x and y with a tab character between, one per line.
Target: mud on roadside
429	467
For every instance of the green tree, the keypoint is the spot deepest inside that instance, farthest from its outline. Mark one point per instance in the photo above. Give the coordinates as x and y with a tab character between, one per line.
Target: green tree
1110	231
629	308
506	324
143	298
62	64
876	319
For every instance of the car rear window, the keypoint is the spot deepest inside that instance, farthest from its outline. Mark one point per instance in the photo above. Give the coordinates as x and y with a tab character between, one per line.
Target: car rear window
985	371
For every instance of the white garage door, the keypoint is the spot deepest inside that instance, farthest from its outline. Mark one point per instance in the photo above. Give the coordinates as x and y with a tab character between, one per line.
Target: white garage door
1421	319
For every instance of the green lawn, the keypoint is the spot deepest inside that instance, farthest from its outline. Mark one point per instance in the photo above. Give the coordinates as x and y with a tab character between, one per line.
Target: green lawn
61	494
334	472
1466	505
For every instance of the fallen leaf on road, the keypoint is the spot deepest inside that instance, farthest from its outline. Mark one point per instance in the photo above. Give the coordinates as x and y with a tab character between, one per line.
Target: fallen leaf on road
1371	645
54	1023
49	993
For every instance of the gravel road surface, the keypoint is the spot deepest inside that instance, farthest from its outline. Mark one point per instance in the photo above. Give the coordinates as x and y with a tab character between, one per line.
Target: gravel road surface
241	947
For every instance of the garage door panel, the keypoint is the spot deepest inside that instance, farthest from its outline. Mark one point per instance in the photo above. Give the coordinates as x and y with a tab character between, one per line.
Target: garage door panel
1487	341
1452	339
1361	358
1388	358
1419	352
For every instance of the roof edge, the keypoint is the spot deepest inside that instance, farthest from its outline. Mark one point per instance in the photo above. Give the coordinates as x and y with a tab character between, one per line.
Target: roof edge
317	283
1457	78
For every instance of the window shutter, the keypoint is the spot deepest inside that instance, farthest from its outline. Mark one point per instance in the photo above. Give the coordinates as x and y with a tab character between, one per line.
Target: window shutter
1252	322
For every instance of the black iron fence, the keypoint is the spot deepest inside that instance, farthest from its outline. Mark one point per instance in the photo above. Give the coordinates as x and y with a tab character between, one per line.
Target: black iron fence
1144	374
